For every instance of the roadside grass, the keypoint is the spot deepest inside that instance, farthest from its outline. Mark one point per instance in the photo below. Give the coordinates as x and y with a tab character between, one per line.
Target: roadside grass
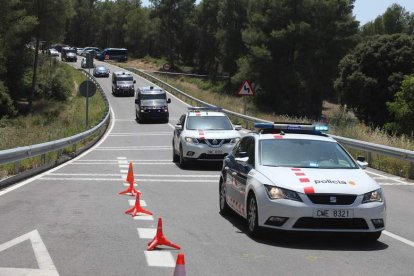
50	120
341	121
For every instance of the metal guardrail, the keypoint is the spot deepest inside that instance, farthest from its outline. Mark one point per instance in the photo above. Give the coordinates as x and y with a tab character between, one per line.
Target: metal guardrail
401	154
21	153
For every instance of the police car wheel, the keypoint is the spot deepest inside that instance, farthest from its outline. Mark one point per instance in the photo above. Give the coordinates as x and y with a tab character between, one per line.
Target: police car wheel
252	218
181	157
224	207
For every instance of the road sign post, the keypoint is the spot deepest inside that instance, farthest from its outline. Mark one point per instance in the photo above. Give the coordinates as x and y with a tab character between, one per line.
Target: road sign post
245	89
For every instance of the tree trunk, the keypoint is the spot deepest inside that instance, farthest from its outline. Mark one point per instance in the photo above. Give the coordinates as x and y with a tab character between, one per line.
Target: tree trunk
36	57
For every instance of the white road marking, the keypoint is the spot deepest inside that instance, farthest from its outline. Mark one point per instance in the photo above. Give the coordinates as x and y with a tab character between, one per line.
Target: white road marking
132	202
123	166
114	160
119	158
118	179
127	184
144	217
138	175
394	184
125	120
149	148
44	261
30	180
146	233
390	178
123	171
159	258
401	239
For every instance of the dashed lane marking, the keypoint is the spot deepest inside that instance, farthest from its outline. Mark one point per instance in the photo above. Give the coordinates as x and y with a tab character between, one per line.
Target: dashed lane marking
390	179
148	148
140	134
159	258
144	217
119	158
132	202
143	163
146	233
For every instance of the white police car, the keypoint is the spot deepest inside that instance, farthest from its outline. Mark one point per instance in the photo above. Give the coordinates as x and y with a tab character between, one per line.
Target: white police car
203	133
294	177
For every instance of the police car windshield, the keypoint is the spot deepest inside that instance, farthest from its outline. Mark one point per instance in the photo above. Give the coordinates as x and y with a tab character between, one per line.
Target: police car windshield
209	123
301	153
125	78
153	97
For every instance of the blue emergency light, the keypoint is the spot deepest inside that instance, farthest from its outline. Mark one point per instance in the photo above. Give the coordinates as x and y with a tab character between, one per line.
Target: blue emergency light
292	127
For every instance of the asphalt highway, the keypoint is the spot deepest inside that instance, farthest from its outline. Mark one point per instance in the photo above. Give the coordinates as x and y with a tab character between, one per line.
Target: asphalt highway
71	220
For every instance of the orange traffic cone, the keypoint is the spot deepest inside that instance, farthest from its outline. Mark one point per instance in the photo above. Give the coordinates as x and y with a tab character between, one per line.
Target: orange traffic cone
130	179
137	208
160	239
180	265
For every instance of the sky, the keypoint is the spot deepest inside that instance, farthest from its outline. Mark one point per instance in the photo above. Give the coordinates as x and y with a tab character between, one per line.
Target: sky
364	10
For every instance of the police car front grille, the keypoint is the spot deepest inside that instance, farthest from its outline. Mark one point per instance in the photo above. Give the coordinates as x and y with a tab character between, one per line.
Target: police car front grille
332	199
331	223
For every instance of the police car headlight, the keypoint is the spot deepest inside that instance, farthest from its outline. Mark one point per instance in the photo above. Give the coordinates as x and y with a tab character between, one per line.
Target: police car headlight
279	193
234	140
191	140
374	196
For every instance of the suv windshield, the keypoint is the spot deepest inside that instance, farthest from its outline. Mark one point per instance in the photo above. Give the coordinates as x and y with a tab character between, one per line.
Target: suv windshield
300	153
124	79
152	97
209	123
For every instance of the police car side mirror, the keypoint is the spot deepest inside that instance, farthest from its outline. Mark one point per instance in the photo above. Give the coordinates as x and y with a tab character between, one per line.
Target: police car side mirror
363	165
168	100
237	127
178	127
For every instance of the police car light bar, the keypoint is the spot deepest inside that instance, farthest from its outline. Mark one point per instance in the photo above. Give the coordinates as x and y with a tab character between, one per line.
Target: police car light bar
204	108
292	127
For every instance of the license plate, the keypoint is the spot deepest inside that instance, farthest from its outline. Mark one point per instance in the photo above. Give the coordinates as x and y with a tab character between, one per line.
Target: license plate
333	213
215	152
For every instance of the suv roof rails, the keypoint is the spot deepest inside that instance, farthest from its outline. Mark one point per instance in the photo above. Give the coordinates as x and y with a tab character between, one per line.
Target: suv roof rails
297	128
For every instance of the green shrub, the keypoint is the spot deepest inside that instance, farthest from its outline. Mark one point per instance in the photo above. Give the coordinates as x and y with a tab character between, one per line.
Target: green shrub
6	103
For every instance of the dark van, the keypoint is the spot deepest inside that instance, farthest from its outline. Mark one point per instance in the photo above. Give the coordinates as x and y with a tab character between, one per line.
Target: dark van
119	54
68	54
151	103
123	83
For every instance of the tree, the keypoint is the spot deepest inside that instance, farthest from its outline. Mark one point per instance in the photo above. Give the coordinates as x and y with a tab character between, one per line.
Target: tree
294	47
175	18
52	17
402	108
396	19
372	73
137	29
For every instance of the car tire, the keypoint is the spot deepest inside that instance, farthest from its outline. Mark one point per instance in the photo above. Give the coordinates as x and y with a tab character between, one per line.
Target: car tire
176	157
181	158
224	207
253	228
136	115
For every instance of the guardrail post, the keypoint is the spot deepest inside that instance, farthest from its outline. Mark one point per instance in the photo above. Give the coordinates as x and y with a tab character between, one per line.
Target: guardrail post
411	170
369	158
43	158
74	149
16	168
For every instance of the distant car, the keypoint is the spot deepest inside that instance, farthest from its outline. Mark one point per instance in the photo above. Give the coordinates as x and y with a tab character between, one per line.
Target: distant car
295	177
79	51
52	52
101	71
94	50
68	54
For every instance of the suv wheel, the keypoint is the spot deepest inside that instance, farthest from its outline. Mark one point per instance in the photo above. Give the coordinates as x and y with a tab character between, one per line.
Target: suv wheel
181	158
176	157
252	217
224	207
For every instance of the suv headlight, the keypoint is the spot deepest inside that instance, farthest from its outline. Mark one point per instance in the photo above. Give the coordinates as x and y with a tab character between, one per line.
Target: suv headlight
191	140
234	140
278	193
374	196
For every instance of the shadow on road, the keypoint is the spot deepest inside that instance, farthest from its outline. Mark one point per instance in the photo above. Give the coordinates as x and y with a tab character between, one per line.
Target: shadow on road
309	240
202	166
